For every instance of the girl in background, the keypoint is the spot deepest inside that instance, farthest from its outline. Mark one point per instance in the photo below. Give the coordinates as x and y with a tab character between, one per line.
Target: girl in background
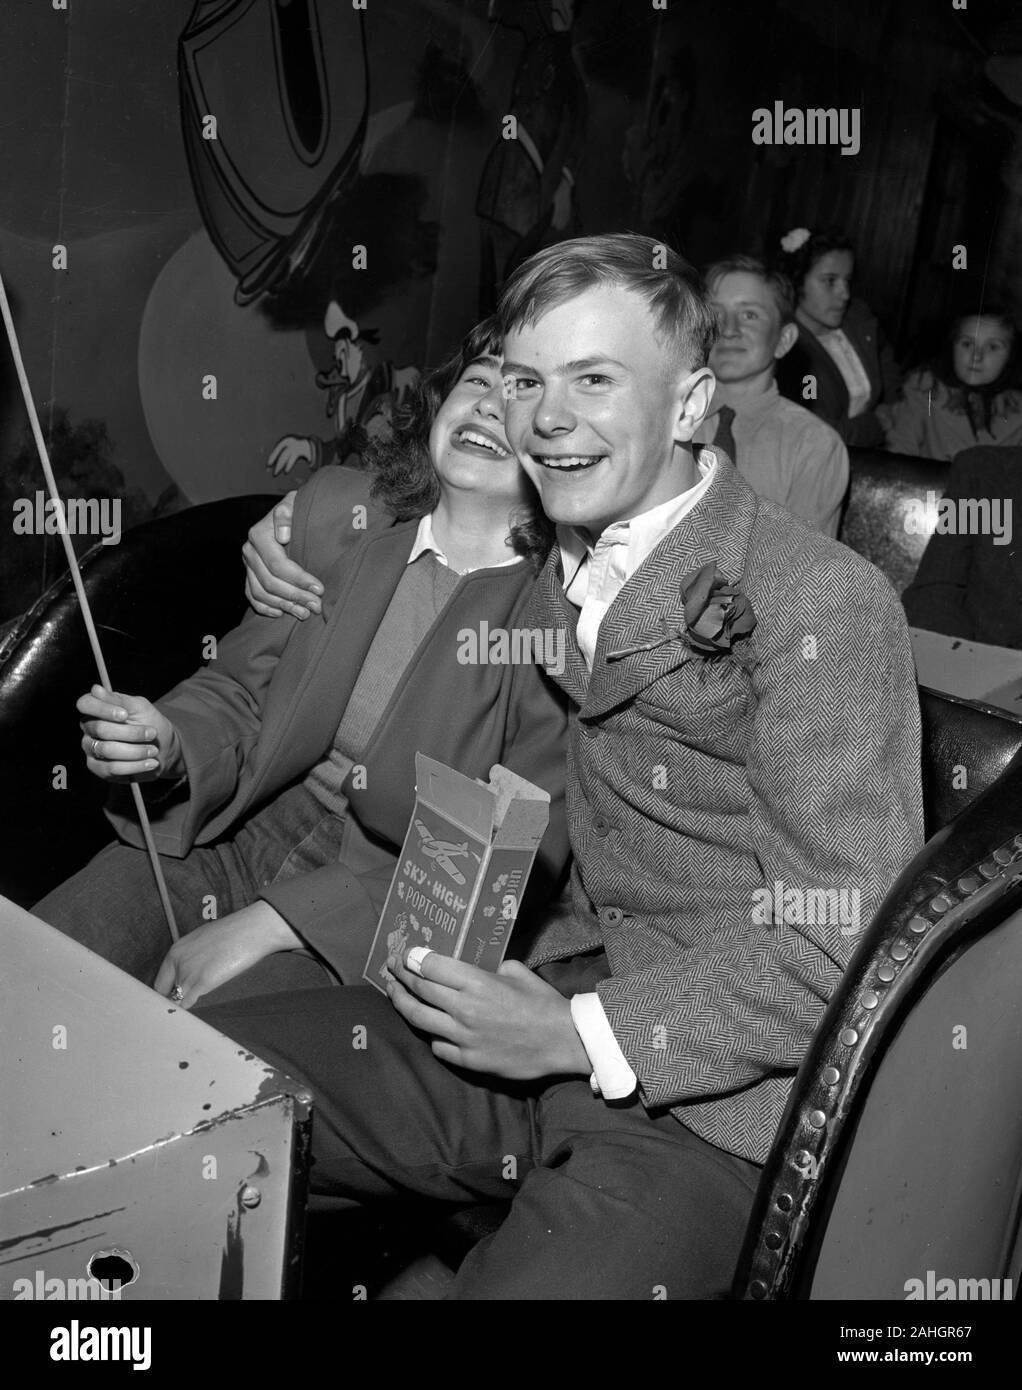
970	394
840	344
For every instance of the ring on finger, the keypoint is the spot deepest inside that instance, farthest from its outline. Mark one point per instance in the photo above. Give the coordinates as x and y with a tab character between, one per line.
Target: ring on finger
95	748
177	994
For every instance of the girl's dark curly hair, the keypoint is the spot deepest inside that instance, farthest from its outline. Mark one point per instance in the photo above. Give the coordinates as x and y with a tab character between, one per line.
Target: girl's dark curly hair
797	264
405	481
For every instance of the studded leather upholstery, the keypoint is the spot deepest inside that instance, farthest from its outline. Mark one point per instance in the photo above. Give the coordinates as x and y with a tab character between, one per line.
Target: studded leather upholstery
882	489
155	596
899	1152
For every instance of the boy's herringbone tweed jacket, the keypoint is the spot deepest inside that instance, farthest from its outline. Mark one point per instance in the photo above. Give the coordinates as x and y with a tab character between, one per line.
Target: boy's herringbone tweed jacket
692	783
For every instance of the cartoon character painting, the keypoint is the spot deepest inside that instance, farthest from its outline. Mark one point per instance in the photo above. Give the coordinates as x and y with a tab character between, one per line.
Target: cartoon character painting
361	398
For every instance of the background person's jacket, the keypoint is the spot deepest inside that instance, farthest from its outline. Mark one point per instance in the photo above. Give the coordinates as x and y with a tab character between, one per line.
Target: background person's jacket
808	357
966	585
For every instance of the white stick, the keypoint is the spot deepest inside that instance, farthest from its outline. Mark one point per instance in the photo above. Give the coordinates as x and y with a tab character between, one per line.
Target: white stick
76	577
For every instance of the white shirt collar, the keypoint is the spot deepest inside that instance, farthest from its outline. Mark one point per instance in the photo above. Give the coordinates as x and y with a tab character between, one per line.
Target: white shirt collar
426	541
642	532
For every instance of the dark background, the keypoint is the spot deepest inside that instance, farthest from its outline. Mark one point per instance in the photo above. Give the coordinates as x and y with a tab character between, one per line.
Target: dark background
92	155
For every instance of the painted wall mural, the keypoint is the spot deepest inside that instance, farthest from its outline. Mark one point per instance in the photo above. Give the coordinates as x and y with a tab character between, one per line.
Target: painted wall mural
275	214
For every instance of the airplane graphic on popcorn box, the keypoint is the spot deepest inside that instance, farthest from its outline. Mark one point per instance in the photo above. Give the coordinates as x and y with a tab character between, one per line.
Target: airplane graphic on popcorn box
463	867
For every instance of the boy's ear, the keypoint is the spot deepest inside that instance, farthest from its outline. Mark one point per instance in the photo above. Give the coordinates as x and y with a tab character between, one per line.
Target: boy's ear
695	393
787	340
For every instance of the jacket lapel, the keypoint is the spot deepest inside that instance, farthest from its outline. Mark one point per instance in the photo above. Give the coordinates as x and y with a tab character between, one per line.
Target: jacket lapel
830	382
549	609
326	654
718	530
859	331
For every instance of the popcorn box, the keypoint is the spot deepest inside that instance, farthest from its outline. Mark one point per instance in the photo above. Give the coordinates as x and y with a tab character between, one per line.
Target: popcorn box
463	867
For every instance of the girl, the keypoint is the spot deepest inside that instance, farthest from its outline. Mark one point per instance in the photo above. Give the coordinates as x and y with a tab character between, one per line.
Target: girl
284	770
970	394
840	344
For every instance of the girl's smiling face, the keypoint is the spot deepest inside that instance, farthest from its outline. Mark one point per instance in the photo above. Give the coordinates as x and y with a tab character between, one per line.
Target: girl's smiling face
467	442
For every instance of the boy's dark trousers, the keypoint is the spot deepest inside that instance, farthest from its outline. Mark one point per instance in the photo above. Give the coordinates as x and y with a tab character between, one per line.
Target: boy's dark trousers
609	1201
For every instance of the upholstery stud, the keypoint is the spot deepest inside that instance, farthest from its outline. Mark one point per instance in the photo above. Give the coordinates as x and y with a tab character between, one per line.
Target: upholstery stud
969	883
849	1037
869	999
774	1240
941	903
899	951
785	1202
831	1076
817	1119
758	1289
988	868
919	924
886	971
1004	855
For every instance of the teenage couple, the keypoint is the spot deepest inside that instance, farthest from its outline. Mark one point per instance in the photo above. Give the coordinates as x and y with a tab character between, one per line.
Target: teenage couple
740	709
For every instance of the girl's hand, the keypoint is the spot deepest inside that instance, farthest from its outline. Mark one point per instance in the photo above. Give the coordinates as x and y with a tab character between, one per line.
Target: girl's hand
216	952
126	739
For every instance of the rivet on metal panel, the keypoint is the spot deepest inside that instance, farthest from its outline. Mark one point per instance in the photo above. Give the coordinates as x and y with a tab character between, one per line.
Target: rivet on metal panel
251	1196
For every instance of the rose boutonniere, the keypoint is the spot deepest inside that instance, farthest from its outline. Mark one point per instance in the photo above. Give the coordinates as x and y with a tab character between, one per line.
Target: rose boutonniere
717	615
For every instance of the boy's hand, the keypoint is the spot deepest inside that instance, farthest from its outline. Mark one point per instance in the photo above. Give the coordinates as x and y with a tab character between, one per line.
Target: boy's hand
509	1024
274	584
126	739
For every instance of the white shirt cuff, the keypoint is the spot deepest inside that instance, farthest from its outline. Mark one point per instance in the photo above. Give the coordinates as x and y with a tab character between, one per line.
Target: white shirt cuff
612	1077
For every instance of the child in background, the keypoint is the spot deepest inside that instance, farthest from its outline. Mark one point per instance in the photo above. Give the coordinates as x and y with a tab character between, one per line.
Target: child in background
841	347
971	394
